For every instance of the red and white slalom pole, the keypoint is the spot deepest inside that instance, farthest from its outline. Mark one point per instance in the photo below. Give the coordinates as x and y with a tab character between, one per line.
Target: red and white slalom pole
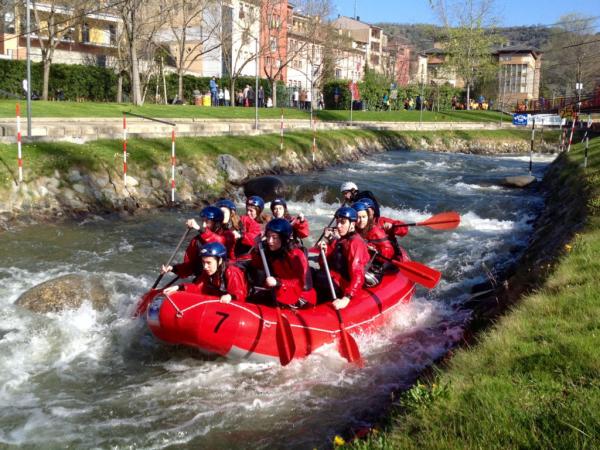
173	160
124	149
572	130
562	138
19	154
281	132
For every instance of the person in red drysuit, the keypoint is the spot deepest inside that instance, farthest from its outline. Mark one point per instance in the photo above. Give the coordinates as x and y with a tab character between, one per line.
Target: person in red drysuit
218	278
299	224
250	225
393	228
290	277
374	235
347	256
211	231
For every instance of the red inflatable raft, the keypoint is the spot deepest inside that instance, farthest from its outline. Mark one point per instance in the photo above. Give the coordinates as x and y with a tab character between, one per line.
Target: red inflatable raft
247	330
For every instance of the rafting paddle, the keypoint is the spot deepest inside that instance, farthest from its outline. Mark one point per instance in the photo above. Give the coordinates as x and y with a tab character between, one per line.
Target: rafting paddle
153	292
283	333
442	221
347	346
416	272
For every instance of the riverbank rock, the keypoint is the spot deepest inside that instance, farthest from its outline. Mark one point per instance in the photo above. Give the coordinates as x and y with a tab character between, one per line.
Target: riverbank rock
519	181
65	292
269	188
235	170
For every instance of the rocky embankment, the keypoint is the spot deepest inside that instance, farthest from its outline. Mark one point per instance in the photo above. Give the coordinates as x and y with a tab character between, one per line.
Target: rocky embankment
80	191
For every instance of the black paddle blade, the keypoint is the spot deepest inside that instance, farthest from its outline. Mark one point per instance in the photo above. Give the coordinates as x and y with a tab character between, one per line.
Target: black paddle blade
285	339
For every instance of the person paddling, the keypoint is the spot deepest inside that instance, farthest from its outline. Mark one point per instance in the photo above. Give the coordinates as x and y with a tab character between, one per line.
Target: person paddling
218	277
375	236
347	255
211	231
250	227
290	275
351	195
299	223
231	224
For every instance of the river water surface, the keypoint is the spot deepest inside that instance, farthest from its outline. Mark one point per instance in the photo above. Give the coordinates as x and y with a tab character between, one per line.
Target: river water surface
89	379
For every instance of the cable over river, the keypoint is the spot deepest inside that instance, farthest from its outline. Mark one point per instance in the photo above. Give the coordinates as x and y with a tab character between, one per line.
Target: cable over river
90	379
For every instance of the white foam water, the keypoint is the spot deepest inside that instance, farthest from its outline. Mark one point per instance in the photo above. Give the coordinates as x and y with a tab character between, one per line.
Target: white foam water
87	378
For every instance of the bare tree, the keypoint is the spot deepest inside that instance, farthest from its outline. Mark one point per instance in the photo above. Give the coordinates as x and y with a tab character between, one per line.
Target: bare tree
56	22
141	21
572	55
239	36
469	38
193	28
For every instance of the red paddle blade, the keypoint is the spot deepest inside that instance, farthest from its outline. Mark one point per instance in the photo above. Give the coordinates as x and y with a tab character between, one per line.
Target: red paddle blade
145	301
419	273
348	347
285	339
442	221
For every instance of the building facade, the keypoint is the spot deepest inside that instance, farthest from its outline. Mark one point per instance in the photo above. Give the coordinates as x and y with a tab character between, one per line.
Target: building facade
519	74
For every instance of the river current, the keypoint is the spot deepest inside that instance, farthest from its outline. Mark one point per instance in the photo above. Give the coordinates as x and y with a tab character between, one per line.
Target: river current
90	379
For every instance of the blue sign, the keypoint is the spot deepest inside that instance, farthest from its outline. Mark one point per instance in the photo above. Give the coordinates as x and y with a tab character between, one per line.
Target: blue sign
520	120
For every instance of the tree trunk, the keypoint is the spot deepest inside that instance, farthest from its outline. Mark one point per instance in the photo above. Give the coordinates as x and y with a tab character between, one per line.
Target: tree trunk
47	64
180	84
120	87
468	96
274	93
232	93
136	92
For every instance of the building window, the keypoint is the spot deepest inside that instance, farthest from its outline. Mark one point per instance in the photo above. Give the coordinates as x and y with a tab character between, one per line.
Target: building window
85	33
9	22
112	31
273	44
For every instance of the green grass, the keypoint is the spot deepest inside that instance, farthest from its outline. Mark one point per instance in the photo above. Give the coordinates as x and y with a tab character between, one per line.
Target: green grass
43	159
532	381
103	110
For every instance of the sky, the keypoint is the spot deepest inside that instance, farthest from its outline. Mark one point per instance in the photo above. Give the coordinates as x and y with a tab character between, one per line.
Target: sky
510	12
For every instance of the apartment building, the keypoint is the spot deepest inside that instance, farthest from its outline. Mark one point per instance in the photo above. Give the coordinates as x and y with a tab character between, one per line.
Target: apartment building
90	41
369	37
276	20
519	74
306	52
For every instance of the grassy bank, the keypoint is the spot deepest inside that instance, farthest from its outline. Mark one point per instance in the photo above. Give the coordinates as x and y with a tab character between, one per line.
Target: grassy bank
97	110
43	159
532	380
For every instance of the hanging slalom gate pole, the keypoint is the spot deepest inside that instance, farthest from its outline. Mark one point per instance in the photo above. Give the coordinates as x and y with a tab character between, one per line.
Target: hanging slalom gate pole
561	147
19	154
281	131
173	165
531	149
572	130
124	149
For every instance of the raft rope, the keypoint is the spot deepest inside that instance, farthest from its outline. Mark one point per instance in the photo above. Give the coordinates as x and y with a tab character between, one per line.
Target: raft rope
268	323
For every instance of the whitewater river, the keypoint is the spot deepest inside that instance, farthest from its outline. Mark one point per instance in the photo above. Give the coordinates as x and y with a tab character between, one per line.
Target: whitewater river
89	379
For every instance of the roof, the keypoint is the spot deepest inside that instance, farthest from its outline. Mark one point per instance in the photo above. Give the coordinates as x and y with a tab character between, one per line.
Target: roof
519	49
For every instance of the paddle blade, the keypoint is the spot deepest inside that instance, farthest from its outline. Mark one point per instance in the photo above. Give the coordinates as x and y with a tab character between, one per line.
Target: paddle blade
145	301
348	347
285	339
419	273
442	221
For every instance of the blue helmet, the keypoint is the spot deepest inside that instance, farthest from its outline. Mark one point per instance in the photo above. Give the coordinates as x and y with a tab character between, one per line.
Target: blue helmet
278	201
280	226
226	203
212	213
360	206
257	201
367	201
215	249
346	212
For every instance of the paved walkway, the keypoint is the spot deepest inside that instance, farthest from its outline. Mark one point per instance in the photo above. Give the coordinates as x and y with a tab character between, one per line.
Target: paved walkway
89	129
